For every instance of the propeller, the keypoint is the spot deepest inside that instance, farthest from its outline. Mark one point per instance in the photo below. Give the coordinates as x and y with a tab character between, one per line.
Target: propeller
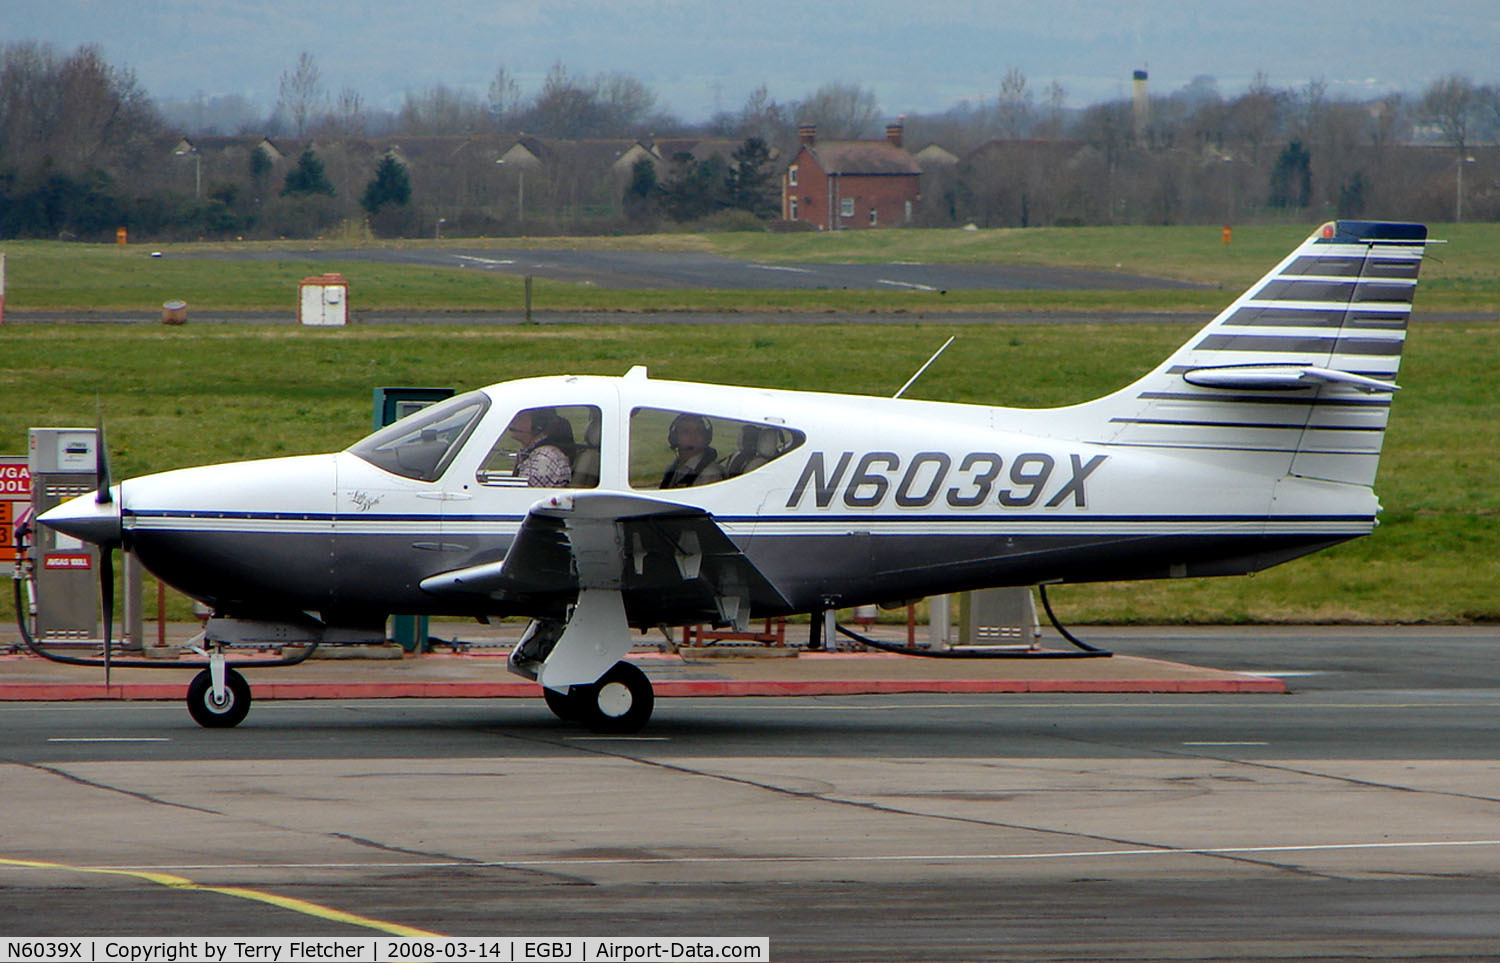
103	496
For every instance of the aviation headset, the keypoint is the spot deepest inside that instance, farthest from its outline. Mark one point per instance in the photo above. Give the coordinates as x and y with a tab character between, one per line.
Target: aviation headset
687	419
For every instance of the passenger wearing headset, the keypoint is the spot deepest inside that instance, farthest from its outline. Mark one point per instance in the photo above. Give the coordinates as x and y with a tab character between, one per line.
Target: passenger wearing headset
697	463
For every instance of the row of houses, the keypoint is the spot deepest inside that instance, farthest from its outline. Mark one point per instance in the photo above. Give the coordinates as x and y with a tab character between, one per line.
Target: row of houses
482	182
829	184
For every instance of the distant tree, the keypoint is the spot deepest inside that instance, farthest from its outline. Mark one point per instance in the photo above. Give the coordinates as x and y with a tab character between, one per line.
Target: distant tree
348	117
625	103
1255	119
78	111
307	177
751	185
762	117
260	167
441	110
565	107
1053	100
1291	178
840	111
1013	110
505	98
76	138
390	185
642	195
696	188
1352	196
301	92
1453	104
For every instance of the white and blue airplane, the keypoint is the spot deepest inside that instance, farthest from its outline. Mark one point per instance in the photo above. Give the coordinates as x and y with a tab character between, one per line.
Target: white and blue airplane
601	505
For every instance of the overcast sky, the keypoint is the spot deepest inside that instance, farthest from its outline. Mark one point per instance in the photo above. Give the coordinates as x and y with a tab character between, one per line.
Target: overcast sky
699	56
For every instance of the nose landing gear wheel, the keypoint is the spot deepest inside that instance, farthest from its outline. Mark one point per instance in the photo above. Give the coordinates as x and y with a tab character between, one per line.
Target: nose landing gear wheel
213	714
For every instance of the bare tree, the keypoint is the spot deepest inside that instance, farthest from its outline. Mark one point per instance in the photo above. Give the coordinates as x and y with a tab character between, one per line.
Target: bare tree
441	109
1053	99
505	98
79	111
348	116
1254	120
1309	109
1013	111
301	92
626	102
840	111
762	117
565	107
1453	103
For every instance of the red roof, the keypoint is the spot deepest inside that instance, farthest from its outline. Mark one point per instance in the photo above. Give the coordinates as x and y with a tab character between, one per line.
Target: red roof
863	157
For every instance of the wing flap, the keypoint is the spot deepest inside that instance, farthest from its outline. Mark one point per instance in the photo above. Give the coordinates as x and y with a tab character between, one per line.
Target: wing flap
672	563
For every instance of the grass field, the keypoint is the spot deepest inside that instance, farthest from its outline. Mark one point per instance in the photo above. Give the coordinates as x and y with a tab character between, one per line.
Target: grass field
1458	277
181	396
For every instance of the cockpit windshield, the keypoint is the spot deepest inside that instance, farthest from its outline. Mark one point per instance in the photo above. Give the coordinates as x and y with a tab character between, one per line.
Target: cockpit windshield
421	445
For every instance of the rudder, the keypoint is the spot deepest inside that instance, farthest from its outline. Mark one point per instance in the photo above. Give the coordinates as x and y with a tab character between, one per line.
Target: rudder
1296	376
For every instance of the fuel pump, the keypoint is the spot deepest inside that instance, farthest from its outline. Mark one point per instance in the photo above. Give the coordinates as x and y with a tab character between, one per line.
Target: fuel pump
62	465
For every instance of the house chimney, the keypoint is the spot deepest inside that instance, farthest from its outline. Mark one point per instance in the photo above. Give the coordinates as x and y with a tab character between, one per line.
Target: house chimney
808	134
893	132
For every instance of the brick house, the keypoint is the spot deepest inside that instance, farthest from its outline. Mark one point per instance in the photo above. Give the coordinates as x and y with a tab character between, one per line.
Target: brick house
843	184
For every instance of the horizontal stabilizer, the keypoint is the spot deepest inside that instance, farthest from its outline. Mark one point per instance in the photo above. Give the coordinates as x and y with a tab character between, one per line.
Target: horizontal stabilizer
1282	377
1295	377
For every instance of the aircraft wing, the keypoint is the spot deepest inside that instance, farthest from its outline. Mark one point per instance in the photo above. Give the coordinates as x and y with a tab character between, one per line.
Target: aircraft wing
671	563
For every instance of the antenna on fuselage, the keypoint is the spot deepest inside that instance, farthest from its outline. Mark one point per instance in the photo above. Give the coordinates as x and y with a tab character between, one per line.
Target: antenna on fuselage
910	381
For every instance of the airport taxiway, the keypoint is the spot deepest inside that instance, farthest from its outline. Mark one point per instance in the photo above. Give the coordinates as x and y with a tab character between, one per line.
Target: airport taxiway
1357	816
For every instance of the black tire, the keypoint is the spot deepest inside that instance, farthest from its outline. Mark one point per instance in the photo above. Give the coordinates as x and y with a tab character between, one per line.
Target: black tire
212	715
564	705
619	703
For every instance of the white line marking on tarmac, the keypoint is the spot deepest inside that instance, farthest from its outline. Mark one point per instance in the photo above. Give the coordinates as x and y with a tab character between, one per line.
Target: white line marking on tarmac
482	260
779	267
617	738
1226	743
906	284
891	858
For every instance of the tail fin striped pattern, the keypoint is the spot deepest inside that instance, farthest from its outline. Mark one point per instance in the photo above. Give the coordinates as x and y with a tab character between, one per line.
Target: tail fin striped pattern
1296	376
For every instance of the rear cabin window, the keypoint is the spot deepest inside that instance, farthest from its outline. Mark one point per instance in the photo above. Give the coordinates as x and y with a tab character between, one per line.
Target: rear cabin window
671	448
422	444
545	447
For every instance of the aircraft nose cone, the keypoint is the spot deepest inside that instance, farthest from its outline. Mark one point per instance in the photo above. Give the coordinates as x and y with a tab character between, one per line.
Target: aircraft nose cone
84	518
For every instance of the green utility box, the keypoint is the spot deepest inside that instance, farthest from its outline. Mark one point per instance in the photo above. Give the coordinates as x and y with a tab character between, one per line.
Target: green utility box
393	404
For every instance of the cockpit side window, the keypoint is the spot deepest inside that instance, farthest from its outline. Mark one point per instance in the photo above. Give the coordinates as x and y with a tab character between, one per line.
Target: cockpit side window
421	445
546	447
683	449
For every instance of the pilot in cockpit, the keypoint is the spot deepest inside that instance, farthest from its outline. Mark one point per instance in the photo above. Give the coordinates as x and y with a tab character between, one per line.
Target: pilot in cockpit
544	439
697	463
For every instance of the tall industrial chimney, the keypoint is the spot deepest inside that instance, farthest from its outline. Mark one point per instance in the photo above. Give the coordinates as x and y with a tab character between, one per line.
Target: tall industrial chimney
1142	107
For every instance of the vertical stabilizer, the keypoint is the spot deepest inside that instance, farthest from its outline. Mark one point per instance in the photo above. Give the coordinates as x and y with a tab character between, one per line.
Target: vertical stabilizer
1296	376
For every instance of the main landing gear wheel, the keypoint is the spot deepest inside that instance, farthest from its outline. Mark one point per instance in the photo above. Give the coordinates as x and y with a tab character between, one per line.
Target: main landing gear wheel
564	705
213	714
618	704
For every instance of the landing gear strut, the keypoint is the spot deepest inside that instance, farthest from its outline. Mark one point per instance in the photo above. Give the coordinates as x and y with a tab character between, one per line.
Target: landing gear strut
618	704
